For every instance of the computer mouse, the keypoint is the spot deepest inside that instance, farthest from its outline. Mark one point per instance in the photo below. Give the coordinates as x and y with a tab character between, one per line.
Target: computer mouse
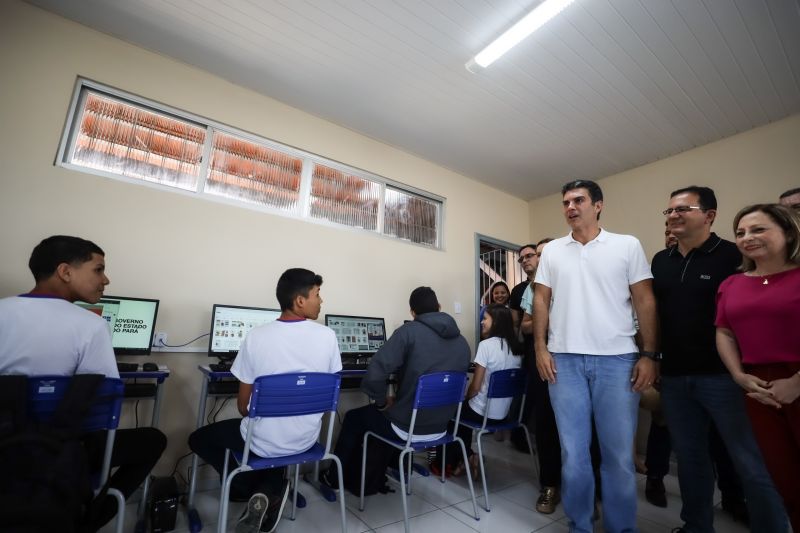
150	367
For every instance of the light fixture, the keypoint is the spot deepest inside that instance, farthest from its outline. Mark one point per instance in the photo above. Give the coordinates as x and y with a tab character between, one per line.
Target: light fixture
516	33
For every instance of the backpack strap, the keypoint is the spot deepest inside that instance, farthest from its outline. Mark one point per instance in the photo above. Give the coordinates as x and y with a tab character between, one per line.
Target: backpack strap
13	404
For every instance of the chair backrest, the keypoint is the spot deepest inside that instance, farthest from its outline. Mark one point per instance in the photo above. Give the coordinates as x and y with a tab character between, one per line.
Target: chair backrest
438	389
294	394
507	383
46	392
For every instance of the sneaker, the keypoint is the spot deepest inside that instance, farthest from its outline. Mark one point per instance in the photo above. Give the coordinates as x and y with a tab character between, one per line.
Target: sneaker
275	509
548	499
250	522
329	478
655	492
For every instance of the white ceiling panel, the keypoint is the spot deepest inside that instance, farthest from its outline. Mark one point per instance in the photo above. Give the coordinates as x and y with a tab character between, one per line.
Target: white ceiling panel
606	86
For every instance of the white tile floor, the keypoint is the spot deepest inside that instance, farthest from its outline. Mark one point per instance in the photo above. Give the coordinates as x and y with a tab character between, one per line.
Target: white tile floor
446	508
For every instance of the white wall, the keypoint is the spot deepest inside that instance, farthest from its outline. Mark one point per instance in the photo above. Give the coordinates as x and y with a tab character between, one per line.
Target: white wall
191	253
751	167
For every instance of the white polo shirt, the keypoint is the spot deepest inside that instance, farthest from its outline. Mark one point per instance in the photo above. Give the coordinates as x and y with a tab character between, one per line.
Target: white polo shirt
591	310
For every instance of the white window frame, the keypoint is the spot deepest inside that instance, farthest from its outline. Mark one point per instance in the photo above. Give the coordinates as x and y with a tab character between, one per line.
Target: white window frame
302	212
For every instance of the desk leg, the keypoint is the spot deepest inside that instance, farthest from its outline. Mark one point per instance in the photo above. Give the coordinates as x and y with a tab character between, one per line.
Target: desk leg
195	524
141	513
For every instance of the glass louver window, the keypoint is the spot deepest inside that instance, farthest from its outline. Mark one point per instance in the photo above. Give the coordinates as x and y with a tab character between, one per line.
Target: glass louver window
254	173
411	217
344	198
138	143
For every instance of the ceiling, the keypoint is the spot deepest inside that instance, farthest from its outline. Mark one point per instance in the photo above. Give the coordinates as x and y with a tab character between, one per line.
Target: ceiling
606	86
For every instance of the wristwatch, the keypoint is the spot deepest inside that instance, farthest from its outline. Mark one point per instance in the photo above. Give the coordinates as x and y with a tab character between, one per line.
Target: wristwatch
655	356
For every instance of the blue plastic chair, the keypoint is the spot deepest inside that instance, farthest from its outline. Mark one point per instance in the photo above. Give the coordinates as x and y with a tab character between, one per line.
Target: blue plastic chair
433	390
510	383
45	394
282	395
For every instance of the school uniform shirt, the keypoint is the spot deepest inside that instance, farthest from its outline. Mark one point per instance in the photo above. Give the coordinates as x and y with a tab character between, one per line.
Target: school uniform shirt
493	355
42	334
277	348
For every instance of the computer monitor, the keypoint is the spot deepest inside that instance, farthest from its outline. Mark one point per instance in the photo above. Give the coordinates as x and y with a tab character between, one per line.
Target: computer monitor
230	325
131	322
357	335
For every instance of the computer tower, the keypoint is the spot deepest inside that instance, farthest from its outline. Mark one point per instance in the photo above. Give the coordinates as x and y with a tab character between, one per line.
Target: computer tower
163	504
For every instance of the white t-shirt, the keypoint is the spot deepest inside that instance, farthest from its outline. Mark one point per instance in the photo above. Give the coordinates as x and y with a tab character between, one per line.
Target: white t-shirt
591	310
48	335
493	355
277	348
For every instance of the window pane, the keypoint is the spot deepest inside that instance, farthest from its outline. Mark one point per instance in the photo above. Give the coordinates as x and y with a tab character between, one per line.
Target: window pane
254	173
344	198
411	217
135	142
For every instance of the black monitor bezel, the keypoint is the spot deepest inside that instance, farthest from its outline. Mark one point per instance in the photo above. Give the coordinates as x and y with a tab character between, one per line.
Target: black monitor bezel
383	321
229	355
128	350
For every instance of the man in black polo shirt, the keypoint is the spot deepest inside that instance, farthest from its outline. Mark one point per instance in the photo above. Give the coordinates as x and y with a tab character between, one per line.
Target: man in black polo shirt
696	388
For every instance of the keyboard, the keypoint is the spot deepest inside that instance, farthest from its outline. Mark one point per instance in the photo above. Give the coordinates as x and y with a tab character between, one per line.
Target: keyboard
127	367
219	367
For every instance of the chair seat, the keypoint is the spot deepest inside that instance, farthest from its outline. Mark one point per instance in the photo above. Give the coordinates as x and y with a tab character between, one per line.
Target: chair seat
419	445
313	454
490	427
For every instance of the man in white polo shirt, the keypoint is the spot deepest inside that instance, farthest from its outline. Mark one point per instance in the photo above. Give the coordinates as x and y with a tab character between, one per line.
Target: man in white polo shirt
586	290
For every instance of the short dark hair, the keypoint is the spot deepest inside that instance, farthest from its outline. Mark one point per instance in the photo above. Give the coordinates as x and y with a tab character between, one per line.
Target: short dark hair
705	195
519	252
57	249
544	241
595	192
790	192
293	283
423	300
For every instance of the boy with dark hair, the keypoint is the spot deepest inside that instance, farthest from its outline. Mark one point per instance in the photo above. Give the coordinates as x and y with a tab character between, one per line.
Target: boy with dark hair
429	343
42	332
293	343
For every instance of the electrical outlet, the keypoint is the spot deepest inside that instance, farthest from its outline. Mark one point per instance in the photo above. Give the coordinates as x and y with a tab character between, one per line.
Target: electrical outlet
160	340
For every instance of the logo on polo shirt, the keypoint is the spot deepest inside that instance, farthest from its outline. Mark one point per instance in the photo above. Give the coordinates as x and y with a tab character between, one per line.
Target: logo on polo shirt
705	276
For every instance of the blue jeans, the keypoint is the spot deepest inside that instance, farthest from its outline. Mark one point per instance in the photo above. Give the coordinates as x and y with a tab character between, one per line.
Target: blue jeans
599	386
691	403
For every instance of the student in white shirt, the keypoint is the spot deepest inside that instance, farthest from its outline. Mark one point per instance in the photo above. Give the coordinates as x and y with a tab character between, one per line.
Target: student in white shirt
500	350
293	343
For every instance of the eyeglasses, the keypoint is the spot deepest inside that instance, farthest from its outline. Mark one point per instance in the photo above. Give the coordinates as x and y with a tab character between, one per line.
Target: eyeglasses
681	209
526	257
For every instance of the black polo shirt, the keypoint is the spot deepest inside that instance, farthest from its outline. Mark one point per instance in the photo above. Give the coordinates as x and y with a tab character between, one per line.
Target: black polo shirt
686	291
515	300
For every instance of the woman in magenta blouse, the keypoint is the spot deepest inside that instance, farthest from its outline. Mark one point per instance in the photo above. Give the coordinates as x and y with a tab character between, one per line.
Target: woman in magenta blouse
758	338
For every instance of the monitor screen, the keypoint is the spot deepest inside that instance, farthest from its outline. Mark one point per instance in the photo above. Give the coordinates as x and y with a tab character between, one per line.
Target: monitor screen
357	334
131	322
230	325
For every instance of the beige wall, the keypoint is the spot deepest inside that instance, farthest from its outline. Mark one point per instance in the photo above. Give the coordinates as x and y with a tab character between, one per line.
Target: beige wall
751	167
191	253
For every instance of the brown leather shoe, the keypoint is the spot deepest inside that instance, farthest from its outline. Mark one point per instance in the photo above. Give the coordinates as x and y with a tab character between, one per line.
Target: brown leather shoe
548	499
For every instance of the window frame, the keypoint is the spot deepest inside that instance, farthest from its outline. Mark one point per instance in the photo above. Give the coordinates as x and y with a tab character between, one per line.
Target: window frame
74	117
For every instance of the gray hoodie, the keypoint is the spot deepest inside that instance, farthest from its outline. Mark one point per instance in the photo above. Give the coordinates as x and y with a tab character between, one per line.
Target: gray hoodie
430	343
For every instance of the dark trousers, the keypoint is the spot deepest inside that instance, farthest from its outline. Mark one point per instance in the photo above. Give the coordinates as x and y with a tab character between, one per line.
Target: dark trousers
546	434
356	423
659	449
136	452
210	442
777	432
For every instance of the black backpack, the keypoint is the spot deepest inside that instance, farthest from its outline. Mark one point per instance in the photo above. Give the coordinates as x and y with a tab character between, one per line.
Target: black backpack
46	481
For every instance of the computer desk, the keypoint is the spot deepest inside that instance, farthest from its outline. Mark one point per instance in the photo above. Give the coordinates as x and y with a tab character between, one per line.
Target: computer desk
210	376
150	391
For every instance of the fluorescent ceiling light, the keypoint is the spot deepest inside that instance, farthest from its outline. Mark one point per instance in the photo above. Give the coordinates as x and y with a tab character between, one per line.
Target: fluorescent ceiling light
516	33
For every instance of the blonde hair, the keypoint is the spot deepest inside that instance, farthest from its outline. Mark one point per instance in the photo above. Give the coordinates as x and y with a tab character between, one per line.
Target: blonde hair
787	219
